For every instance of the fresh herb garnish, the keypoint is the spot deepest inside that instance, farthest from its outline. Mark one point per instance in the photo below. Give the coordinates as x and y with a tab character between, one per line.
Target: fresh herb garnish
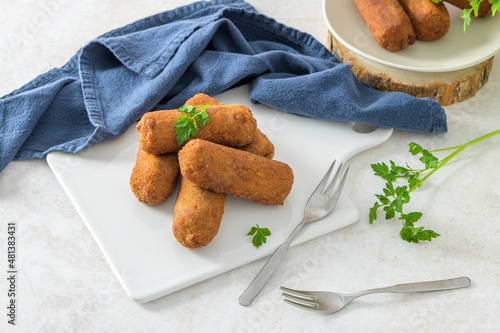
466	13
260	235
186	125
394	198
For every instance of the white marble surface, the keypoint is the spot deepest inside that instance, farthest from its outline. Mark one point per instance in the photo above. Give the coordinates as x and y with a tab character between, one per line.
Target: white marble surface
65	284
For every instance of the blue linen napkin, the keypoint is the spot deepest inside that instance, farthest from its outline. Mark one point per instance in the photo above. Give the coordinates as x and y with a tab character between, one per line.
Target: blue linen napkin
161	61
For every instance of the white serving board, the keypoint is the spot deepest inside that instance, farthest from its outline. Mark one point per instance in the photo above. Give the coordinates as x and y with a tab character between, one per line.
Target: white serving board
137	239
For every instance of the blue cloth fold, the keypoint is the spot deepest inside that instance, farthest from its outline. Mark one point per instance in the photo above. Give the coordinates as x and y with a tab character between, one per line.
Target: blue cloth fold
161	61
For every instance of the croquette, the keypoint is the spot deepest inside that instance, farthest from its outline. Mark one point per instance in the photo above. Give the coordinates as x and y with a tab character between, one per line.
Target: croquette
390	26
240	173
260	145
197	214
201	100
154	177
230	125
430	20
483	10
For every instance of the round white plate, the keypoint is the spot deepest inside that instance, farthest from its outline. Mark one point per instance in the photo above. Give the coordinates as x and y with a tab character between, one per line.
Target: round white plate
456	50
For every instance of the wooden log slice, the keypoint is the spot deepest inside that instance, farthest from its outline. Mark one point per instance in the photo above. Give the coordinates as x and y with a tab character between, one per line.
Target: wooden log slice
445	87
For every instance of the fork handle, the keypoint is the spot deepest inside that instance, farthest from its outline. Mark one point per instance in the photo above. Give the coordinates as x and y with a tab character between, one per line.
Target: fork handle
455	283
265	273
460	282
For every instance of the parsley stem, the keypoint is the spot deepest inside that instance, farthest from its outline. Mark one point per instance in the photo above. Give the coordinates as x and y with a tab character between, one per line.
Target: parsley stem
458	149
470	143
481	138
443	162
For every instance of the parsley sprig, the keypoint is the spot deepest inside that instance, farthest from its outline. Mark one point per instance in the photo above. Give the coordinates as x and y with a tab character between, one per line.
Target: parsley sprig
467	13
260	235
394	198
186	125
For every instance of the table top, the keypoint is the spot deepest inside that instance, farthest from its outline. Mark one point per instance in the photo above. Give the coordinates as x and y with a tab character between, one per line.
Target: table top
64	283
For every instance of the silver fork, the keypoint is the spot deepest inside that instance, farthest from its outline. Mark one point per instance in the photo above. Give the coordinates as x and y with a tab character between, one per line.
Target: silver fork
330	302
319	205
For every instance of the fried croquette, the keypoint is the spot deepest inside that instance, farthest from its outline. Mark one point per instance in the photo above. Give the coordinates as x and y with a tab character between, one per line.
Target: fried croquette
197	214
154	177
240	173
202	99
230	125
430	20
390	26
483	10
260	145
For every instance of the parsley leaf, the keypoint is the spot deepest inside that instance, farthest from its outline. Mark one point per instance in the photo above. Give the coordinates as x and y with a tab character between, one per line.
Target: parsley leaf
495	6
382	170
260	235
466	16
186	125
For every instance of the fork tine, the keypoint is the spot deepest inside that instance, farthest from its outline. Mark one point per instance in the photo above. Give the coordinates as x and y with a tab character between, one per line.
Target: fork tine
305	297
322	184
305	301
300	305
331	185
298	292
330	190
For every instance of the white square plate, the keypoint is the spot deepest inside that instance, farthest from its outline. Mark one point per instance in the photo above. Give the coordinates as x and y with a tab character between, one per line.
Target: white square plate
137	239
